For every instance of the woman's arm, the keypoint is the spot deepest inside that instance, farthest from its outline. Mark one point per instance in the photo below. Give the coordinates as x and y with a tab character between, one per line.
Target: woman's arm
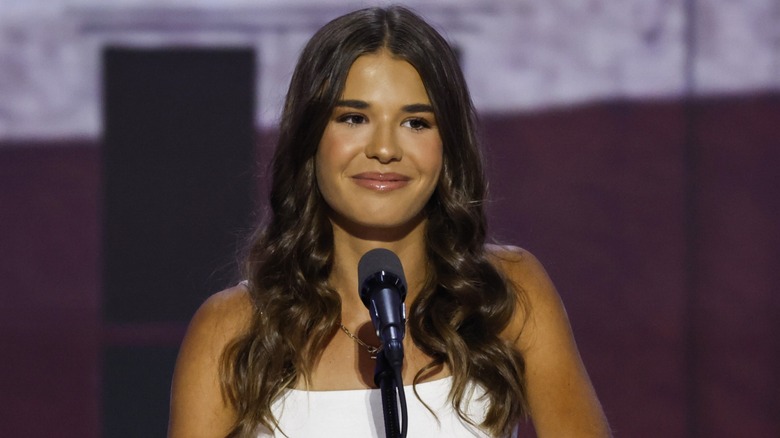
561	397
198	409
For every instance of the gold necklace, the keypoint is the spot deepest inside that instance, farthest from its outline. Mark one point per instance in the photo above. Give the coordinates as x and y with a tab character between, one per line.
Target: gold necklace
372	351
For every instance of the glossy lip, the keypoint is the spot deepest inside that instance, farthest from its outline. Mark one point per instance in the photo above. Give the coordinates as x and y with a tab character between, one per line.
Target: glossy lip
379	181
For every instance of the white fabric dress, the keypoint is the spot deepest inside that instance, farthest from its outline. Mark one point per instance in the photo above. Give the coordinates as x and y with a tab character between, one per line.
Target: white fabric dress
358	413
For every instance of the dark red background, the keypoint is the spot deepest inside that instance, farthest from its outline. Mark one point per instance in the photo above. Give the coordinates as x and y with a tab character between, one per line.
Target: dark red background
657	221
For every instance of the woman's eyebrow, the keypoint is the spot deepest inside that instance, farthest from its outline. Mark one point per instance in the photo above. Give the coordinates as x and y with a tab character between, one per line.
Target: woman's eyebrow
361	104
417	108
353	103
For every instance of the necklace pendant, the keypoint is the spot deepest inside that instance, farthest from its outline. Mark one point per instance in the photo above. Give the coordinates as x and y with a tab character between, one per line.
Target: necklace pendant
372	351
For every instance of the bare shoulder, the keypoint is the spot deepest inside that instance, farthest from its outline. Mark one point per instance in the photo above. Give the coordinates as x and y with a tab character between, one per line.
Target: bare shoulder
228	311
517	264
197	406
560	394
536	292
220	319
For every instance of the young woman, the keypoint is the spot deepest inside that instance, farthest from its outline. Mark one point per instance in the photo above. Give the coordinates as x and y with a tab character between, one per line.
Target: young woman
377	148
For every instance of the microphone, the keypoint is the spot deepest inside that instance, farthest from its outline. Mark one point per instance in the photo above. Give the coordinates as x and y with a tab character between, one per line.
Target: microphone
383	290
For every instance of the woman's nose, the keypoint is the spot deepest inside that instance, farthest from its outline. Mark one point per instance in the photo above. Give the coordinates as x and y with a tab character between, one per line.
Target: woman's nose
383	145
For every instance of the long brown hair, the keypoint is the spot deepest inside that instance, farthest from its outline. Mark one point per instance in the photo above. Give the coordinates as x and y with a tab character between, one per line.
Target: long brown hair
466	303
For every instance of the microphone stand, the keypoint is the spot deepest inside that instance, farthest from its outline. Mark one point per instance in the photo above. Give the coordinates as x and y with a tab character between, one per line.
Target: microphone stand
389	381
382	290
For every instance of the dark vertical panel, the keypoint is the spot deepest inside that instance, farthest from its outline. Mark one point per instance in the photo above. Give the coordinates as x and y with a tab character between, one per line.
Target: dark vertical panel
738	263
690	187
179	188
178	177
136	391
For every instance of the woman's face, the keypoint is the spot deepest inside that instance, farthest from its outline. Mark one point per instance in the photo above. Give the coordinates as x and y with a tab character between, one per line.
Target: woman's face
379	158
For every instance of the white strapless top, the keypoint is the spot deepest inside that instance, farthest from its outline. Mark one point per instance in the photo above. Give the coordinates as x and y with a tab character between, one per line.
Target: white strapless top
358	413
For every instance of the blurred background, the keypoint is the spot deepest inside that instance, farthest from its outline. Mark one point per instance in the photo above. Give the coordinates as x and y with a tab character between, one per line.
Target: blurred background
632	146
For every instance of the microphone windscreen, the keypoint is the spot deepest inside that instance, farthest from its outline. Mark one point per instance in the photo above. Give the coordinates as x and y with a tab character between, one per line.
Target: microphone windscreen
378	260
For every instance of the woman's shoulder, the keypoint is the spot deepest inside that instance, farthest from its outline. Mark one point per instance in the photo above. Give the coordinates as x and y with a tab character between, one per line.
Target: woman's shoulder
561	398
517	264
227	312
536	293
232	299
224	316
505	252
196	392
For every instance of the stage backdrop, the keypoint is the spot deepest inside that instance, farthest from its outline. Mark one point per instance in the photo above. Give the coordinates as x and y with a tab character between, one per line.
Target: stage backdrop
632	147
667	268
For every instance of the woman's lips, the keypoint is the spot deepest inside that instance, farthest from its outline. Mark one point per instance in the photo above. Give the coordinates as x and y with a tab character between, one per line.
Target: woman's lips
381	181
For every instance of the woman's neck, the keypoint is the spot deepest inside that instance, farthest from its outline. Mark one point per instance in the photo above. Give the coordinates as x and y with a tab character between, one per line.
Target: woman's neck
348	248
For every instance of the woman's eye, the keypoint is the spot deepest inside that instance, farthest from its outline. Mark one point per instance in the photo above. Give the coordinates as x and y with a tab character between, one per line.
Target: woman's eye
352	119
417	124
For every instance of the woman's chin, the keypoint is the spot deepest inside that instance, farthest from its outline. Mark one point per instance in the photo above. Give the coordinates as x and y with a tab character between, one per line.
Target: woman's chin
387	230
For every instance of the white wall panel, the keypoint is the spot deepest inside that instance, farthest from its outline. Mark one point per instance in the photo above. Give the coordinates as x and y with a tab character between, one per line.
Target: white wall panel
518	55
